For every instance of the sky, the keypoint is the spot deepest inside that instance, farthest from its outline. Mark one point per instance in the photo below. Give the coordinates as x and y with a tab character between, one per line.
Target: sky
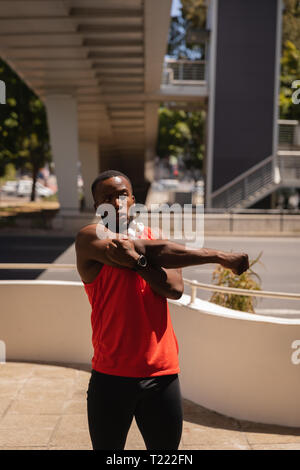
176	5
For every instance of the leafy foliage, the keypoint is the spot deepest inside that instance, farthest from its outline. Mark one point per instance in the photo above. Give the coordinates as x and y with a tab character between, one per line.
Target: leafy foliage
177	43
291	22
194	11
181	135
193	15
290	71
24	139
225	277
290	59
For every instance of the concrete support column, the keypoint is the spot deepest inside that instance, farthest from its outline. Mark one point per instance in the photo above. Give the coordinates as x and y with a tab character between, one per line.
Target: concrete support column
151	134
89	157
63	129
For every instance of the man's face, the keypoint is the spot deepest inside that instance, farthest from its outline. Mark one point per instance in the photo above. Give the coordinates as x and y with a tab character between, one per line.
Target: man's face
117	192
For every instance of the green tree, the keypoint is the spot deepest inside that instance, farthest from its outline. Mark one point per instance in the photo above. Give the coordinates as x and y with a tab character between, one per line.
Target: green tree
291	22
194	11
290	58
290	71
193	16
24	139
179	46
181	135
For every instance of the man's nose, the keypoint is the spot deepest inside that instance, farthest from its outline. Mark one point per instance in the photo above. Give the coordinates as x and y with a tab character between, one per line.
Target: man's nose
118	203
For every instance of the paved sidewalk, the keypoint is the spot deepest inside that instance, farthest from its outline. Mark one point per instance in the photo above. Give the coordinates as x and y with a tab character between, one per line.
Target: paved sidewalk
44	407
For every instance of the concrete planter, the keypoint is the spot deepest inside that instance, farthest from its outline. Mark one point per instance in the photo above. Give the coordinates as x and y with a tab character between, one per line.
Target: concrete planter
245	366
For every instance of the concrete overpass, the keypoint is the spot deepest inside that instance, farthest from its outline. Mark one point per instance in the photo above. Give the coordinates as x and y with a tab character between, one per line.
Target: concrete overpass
97	65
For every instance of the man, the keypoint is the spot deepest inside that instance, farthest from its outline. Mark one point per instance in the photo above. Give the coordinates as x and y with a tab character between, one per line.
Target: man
128	280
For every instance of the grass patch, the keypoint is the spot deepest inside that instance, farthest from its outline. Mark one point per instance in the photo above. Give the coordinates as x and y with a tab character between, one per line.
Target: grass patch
36	214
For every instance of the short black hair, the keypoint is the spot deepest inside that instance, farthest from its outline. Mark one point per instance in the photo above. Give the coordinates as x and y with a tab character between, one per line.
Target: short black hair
104	176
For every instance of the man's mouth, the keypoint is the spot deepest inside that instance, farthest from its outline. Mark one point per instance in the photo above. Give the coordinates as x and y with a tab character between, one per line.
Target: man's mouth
122	217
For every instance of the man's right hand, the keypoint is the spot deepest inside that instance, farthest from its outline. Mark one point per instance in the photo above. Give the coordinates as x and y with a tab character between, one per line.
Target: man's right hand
237	262
122	251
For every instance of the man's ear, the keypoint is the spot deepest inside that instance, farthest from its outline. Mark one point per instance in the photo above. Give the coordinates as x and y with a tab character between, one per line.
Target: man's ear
133	197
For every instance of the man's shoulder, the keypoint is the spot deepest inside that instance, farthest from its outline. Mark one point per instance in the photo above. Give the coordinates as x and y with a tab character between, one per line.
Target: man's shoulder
89	228
88	231
93	232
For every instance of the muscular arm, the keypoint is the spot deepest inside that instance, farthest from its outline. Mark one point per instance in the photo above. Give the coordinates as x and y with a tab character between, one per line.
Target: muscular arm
166	282
172	255
161	255
91	249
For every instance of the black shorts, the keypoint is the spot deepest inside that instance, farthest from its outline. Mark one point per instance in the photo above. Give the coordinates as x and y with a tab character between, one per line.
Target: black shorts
155	402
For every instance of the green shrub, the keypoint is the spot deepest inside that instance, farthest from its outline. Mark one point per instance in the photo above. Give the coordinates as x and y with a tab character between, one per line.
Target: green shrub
248	280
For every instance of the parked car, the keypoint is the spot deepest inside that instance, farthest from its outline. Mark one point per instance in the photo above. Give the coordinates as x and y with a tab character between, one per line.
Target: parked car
169	183
9	188
23	188
157	186
43	191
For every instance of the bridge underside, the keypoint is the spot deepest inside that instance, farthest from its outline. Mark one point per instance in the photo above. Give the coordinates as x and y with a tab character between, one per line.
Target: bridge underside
97	65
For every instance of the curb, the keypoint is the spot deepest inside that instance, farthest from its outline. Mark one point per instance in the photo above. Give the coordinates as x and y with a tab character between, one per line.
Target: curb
68	233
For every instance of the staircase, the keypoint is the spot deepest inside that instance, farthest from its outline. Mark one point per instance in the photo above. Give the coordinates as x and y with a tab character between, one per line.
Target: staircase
260	181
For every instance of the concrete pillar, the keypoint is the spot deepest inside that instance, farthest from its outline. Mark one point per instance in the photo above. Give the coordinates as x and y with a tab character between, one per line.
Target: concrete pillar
244	59
63	129
151	133
89	158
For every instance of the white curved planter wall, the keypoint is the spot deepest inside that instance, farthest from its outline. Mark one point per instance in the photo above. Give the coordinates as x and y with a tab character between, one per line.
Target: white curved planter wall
235	363
45	321
239	364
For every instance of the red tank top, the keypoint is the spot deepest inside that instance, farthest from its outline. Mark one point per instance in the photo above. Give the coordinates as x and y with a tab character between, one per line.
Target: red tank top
132	333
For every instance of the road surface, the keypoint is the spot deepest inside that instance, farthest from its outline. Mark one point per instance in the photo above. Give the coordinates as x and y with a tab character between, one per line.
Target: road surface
280	270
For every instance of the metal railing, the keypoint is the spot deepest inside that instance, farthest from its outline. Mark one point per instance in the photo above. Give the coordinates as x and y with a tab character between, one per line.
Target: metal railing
237	291
36	266
259	180
245	186
192	283
183	72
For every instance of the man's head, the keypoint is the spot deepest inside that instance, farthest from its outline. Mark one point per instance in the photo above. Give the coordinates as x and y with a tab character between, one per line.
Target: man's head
114	187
